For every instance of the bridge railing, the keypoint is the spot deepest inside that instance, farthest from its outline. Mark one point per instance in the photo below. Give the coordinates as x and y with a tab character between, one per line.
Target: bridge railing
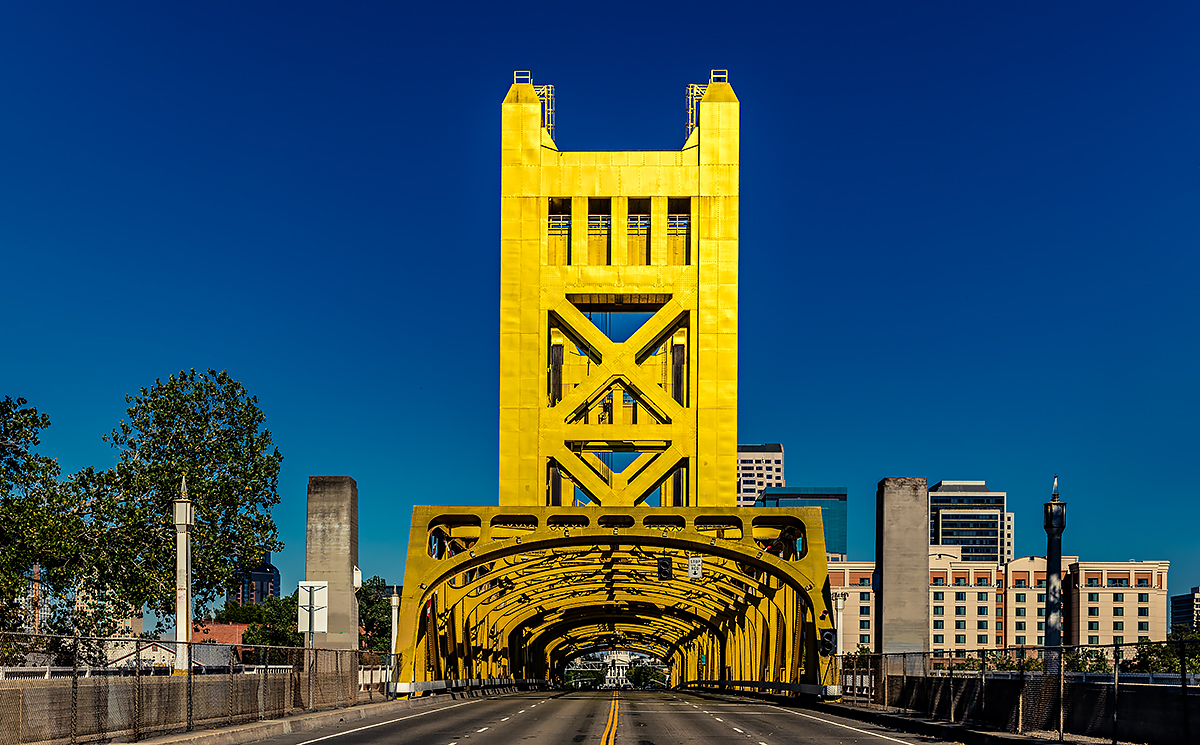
88	689
1147	692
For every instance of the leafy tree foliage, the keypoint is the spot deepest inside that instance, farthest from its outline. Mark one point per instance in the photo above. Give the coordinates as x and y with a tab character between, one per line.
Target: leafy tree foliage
103	541
643	675
375	614
1160	657
274	623
202	425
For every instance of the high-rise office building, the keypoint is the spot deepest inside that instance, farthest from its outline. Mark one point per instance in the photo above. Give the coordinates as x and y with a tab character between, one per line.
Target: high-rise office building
759	466
968	514
831	500
260	583
1185	610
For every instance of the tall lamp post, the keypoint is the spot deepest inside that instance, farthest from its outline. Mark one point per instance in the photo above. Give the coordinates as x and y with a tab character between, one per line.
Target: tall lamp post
1055	522
185	518
395	630
839	602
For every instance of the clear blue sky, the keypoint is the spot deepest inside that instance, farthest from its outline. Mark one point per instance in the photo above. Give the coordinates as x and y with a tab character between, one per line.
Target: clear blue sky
969	236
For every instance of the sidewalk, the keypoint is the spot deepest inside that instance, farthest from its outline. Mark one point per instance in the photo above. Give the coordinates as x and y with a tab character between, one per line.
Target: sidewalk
255	731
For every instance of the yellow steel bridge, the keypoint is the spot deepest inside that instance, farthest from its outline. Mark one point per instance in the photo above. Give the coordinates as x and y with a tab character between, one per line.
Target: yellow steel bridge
618	436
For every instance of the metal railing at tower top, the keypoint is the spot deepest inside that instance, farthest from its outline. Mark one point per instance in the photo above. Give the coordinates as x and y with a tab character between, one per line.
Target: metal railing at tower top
695	92
545	94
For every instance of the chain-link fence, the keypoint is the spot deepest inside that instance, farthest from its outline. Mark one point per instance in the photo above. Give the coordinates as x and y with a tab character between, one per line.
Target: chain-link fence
81	689
1147	692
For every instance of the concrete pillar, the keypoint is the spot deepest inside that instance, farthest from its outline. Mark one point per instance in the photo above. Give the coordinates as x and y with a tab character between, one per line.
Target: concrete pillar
902	566
332	554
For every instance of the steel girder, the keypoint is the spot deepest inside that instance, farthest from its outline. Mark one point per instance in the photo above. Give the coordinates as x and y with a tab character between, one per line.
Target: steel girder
519	592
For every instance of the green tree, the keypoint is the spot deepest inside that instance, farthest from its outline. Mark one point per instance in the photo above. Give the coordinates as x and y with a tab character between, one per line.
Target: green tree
1086	661
641	676
40	528
375	614
1164	657
273	624
202	425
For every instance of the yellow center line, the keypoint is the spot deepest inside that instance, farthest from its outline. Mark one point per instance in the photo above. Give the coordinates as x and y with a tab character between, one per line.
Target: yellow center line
610	728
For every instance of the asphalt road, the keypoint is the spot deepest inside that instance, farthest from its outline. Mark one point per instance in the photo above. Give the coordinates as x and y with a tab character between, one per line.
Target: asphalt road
604	718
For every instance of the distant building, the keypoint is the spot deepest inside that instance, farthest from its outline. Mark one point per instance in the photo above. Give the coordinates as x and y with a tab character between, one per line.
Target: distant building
759	466
260	583
968	514
1115	602
978	605
831	500
1185	610
618	662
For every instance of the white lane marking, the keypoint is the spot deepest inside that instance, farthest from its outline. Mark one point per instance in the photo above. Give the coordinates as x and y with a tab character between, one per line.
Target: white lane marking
761	743
838	724
719	719
735	729
390	721
481	730
522	711
505	719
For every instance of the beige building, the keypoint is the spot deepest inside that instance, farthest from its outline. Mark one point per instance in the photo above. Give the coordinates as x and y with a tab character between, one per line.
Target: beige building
978	605
1114	602
759	466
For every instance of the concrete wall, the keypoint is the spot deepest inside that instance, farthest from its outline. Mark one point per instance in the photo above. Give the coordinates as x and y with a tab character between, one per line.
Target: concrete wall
332	554
902	566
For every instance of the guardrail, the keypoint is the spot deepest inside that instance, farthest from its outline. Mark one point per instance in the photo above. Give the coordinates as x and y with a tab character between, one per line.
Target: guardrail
465	684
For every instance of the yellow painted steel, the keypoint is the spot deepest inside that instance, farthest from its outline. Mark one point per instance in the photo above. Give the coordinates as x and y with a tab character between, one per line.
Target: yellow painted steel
517	590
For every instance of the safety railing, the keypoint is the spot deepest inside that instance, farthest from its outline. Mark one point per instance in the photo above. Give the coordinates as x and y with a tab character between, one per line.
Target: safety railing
85	689
1145	692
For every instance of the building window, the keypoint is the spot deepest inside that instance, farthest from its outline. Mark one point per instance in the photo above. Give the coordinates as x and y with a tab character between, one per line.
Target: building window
1041	611
1020	625
1143	611
1143	583
1020	611
1020	640
981	624
960	610
1143	597
960	624
939	581
1020	583
1093	597
1118	625
999	641
1093	582
1020	597
1041	640
1041	625
960	581
864	610
1118	597
1041	597
1041	583
864	638
1118	611
864	582
981	597
960	638
864	624
960	596
939	624
1093	611
864	597
1093	625
981	610
939	596
1118	583
938	610
999	625
1093	640
1143	625
939	639
982	639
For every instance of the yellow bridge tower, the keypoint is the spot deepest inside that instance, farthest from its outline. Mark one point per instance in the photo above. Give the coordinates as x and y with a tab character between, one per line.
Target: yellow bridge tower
617	524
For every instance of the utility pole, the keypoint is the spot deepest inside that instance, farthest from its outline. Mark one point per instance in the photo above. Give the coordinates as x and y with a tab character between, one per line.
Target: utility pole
1055	522
185	517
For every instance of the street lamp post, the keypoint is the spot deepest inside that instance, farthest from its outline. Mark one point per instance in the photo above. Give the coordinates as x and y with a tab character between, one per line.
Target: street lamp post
839	602
395	630
185	518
